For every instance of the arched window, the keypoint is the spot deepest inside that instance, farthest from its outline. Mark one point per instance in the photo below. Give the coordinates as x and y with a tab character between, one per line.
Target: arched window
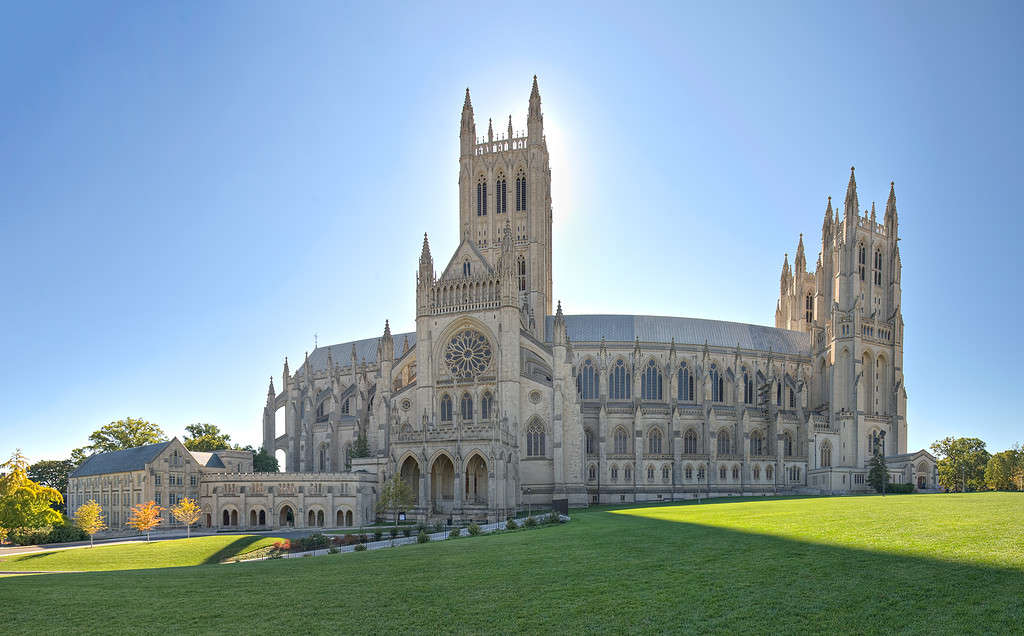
618	381
717	384
466	269
627	473
690	442
521	272
735	472
615	472
650	382
481	196
787	444
654	441
665	473
689	471
878	267
826	454
586	381
721	473
650	473
700	472
792	398
592	473
757	443
486	403
344	407
502	199
684	388
769	472
778	394
323	458
861	260
467	407
809	308
757	472
321	412
446	408
520	192
621	442
724	443
588	441
748	389
535	440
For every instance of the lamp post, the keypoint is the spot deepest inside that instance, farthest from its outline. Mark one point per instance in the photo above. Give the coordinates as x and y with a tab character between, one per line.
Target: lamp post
885	477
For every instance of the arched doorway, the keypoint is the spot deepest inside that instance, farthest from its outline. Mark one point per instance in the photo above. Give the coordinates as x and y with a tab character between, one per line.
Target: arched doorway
209	520
411	476
311	519
348	518
476	481
234	517
442	484
341	519
320	518
263	517
287	516
227	518
252	517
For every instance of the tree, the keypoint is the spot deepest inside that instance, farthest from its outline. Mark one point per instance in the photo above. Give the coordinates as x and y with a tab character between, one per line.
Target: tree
206	438
963	459
188	512
360	447
145	517
119	435
89	519
878	473
23	502
395	495
1001	470
264	462
53	473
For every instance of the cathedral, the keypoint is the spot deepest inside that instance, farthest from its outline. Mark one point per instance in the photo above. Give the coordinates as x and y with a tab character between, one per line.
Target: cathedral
500	400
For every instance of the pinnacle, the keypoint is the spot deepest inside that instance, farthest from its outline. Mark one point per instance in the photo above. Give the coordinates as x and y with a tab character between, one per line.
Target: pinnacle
467	103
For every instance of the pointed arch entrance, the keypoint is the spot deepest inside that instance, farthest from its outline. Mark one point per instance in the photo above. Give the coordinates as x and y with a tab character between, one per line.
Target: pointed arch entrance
476	481
287	517
442	483
411	475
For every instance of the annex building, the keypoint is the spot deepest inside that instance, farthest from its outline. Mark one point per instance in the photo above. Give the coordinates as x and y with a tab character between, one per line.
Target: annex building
499	398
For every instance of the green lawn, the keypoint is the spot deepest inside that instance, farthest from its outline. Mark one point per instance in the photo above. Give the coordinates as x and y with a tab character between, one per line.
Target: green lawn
140	555
910	563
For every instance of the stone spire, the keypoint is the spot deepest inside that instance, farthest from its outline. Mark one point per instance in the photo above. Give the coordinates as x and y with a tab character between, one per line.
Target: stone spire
800	263
490	130
535	119
826	225
467	131
851	209
510	127
786	275
872	213
285	374
560	337
271	393
387	344
891	218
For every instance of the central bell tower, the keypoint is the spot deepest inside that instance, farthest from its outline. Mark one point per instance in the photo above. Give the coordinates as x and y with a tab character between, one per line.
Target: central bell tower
507	178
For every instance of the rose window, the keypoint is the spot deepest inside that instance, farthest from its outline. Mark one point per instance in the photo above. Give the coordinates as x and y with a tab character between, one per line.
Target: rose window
468	354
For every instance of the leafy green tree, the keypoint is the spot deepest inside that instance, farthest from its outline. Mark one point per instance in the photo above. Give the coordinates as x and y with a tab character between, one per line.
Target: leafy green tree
23	502
127	433
206	438
53	473
395	496
1000	472
360	447
264	462
878	473
962	459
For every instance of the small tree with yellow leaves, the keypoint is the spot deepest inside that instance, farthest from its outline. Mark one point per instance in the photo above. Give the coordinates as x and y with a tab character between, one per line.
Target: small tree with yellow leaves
145	517
90	519
188	512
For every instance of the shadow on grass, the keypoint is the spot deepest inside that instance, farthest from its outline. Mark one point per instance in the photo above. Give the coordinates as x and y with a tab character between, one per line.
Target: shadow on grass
234	548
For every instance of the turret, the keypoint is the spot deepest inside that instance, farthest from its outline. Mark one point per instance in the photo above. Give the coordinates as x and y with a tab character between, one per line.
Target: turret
892	220
424	279
467	133
786	278
535	119
800	264
850	208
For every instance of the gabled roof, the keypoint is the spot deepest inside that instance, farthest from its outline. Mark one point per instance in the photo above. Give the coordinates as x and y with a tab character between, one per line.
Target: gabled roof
466	246
685	331
209	460
120	461
365	350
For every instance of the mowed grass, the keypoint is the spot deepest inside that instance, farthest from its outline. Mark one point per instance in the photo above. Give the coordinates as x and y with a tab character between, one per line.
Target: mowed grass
911	563
139	555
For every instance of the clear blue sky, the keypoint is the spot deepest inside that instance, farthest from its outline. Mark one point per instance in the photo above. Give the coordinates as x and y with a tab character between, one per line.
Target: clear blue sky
190	191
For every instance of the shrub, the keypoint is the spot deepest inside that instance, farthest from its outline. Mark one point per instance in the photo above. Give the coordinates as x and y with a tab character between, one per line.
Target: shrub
348	539
530	522
360	547
511	524
393	532
473	529
61	533
332	550
439	526
900	489
407	531
553	517
363	538
455	533
422	537
377	535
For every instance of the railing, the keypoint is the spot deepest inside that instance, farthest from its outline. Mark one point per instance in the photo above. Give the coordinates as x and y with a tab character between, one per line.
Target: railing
500	145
